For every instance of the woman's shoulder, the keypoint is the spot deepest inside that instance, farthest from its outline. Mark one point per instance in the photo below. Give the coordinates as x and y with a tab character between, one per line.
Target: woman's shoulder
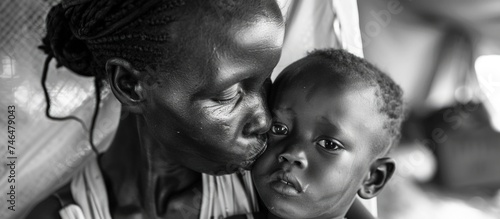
49	208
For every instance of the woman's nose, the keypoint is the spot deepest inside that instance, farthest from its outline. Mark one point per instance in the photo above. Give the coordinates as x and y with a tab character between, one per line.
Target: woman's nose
260	121
295	157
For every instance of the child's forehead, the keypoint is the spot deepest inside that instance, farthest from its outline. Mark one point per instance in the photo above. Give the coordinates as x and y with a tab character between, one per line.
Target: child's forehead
318	79
319	72
302	94
315	79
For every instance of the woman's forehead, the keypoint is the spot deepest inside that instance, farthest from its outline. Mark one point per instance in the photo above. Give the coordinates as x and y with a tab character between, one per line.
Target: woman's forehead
208	66
260	34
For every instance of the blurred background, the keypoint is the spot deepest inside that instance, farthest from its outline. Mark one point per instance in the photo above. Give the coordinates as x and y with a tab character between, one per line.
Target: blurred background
445	54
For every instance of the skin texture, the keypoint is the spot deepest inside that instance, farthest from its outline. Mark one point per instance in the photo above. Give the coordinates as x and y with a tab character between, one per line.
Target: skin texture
322	142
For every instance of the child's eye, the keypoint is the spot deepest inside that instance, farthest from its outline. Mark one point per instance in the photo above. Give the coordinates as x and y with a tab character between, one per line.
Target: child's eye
279	129
228	95
330	144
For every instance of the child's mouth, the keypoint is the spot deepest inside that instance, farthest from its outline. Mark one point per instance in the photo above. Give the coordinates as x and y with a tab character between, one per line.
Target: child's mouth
285	184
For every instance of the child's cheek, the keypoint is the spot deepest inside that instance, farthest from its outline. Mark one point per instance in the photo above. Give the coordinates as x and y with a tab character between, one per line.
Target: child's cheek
267	161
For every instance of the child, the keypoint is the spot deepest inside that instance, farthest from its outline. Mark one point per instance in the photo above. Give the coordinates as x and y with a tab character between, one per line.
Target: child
335	118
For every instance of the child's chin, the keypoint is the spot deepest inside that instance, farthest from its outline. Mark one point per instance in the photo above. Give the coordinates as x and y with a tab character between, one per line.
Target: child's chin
288	212
285	209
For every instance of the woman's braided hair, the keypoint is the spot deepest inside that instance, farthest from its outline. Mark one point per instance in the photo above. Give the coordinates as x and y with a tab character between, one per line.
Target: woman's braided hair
83	34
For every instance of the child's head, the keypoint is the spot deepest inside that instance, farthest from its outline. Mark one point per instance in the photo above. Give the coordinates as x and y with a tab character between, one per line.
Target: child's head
335	117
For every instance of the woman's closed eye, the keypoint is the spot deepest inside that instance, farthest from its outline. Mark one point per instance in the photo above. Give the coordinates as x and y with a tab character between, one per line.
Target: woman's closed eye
330	144
228	95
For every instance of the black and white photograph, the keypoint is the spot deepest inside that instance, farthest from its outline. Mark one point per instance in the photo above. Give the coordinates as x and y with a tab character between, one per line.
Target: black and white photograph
249	109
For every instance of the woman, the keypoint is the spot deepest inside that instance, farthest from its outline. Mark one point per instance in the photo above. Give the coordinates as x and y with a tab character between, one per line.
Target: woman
192	73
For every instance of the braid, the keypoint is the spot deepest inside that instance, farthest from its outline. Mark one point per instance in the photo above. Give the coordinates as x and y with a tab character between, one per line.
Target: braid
128	36
121	12
47	96
159	21
135	41
166	6
97	85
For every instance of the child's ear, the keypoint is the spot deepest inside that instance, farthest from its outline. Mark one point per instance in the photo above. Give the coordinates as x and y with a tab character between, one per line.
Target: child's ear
380	172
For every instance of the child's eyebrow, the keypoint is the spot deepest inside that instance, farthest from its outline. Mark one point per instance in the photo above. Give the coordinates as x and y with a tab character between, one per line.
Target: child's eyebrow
327	121
344	134
285	111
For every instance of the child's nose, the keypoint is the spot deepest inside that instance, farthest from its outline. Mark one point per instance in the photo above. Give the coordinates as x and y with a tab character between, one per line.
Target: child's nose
295	158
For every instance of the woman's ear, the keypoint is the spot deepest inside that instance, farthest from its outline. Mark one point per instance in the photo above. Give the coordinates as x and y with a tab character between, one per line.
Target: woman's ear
380	172
125	83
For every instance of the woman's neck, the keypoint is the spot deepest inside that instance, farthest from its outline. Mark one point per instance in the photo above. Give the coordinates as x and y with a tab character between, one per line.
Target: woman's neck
134	182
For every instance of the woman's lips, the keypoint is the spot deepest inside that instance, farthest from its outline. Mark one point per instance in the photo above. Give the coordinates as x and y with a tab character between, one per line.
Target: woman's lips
286	183
262	139
247	165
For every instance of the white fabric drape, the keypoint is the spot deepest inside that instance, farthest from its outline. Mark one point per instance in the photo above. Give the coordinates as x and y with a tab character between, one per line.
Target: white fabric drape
319	24
228	195
90	195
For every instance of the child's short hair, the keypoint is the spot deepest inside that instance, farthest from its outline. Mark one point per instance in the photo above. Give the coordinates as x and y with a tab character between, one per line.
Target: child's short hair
353	69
